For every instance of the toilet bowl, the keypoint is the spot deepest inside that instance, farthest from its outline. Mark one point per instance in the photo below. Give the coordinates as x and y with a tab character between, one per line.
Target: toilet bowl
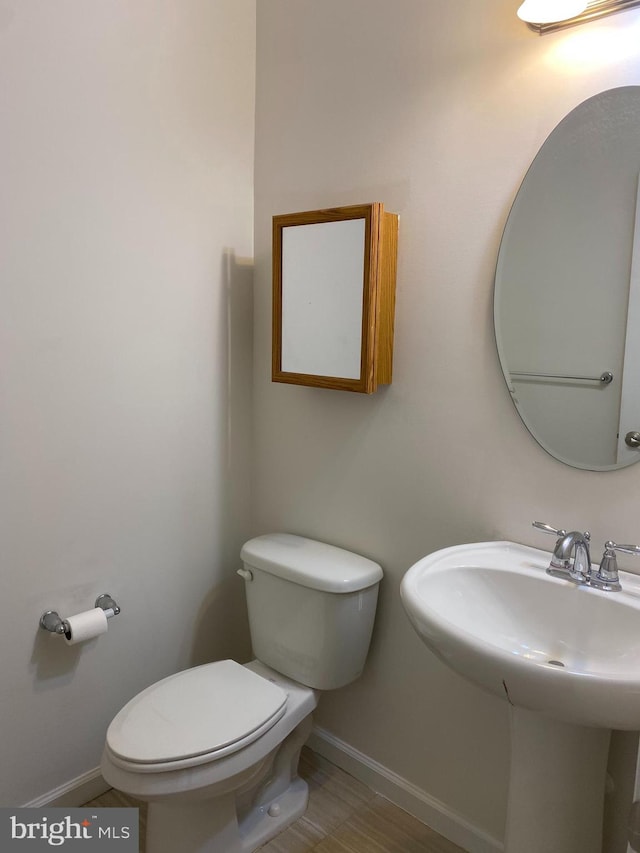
214	749
252	778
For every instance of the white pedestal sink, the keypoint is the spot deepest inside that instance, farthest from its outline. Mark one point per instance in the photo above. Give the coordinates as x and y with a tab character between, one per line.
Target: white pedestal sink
566	658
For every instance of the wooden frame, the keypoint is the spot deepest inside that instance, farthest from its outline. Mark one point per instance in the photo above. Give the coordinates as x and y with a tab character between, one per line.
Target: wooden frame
378	296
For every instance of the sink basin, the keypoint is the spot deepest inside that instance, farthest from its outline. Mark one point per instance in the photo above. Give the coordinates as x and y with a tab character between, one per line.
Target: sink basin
490	612
566	658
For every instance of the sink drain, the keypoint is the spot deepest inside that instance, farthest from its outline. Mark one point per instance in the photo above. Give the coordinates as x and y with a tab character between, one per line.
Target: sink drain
555	662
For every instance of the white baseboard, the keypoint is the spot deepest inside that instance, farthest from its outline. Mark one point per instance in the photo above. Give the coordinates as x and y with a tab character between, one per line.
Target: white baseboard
399	791
73	794
402	793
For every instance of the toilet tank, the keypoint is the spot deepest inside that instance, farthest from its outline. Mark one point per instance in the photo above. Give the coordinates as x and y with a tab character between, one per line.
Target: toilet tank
311	608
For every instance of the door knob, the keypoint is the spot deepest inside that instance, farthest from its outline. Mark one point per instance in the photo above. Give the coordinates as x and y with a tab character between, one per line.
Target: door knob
632	439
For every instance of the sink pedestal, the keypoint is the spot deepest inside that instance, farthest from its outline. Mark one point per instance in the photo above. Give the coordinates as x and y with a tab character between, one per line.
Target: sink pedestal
556	785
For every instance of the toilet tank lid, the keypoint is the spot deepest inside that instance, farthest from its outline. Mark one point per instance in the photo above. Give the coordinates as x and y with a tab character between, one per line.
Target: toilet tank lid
310	563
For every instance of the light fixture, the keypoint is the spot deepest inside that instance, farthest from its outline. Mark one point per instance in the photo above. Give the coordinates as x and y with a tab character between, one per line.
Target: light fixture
550	11
546	16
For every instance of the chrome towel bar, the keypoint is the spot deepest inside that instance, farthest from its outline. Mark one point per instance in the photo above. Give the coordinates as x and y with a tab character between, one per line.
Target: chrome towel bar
606	378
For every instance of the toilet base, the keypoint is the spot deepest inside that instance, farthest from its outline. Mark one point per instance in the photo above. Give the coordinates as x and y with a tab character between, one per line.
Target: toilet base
235	821
202	828
270	820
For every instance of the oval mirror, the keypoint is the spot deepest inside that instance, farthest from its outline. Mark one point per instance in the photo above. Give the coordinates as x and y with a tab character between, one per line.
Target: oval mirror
567	287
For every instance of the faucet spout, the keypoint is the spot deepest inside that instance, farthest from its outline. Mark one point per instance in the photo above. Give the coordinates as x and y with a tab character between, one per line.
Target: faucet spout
576	544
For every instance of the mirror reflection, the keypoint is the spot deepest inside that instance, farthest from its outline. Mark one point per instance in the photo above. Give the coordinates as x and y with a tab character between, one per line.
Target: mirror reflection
322	276
567	287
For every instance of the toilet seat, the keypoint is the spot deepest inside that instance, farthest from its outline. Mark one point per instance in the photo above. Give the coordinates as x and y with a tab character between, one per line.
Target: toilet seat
195	716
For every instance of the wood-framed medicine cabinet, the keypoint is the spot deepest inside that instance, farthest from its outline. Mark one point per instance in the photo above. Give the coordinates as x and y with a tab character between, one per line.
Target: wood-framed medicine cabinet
334	278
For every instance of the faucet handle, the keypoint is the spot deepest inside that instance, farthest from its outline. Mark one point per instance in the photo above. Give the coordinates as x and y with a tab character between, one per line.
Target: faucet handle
546	528
607	575
624	549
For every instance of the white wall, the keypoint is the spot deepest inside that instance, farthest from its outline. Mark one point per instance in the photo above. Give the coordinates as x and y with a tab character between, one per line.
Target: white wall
435	108
125	356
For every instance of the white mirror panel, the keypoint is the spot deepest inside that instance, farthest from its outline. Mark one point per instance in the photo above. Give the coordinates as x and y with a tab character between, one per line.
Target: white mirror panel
322	287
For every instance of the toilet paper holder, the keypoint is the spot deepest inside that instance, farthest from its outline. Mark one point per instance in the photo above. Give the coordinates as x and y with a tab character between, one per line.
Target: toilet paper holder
51	621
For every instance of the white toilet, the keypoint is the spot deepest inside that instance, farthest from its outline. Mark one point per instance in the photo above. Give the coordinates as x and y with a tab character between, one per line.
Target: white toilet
215	749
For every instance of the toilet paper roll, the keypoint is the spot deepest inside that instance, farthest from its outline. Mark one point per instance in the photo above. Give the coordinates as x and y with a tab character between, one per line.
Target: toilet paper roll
86	626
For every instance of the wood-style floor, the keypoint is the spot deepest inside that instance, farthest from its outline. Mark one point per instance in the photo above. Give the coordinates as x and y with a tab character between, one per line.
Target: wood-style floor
344	816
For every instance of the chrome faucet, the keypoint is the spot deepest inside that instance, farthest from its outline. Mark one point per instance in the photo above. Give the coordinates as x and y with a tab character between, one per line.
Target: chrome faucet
579	570
572	543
